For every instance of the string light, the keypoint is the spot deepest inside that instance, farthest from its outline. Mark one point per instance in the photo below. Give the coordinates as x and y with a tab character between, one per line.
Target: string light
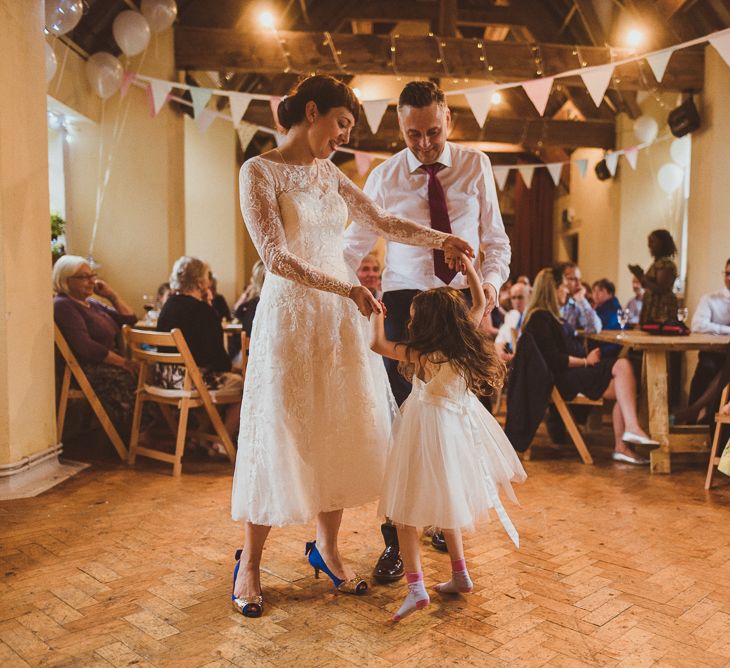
336	53
393	52
441	60
496	97
635	37
266	19
483	56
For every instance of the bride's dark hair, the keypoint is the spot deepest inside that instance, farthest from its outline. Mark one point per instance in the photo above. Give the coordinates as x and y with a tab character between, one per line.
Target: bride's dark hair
325	91
441	329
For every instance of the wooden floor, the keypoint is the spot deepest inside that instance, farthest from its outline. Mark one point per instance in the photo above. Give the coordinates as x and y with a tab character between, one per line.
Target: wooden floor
131	567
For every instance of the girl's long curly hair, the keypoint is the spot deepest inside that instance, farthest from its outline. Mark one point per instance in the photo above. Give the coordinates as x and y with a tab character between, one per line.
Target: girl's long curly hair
442	329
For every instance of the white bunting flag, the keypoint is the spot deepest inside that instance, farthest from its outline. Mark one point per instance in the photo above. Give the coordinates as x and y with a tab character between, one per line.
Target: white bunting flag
204	119
239	104
200	98
280	137
555	169
721	42
658	62
611	162
480	103
538	90
526	172
631	155
596	80
159	90
582	166
246	132
374	111
500	176
363	162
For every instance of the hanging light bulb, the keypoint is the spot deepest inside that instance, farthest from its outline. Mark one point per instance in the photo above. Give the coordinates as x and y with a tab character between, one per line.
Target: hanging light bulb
496	97
266	19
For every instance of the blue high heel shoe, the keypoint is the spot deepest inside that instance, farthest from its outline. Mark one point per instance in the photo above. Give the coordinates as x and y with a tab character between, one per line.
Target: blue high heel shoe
355	585
248	607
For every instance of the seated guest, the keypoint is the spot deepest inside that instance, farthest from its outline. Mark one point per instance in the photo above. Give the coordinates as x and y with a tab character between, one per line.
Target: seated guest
708	401
590	376
187	310
92	331
524	280
635	303
217	300
607	308
577	310
504	300
512	326
368	273
660	303
245	308
163	292
711	317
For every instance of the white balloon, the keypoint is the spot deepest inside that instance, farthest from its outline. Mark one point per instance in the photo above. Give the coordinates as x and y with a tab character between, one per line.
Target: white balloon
160	14
105	74
645	129
681	150
670	177
51	62
131	32
63	16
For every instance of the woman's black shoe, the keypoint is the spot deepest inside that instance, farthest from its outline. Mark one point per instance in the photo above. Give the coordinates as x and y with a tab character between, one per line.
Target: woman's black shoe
439	542
390	566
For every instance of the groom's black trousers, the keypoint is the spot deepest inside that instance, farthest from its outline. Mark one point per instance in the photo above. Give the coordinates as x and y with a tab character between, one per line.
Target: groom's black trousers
398	304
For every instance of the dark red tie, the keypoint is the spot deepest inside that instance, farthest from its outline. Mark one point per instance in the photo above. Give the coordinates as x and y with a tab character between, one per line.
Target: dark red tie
439	219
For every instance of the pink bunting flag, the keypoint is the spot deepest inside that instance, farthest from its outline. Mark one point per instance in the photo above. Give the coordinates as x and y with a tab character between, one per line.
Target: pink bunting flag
538	90
582	166
721	42
658	62
596	80
631	155
363	162
555	169
526	172
127	80
374	111
274	104
500	175
159	92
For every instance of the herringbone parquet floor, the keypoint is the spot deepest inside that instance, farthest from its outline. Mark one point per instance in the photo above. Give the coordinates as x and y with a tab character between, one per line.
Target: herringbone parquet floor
129	567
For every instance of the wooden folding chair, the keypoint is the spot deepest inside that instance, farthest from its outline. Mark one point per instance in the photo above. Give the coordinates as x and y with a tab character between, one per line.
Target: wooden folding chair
575	435
85	391
143	347
720	420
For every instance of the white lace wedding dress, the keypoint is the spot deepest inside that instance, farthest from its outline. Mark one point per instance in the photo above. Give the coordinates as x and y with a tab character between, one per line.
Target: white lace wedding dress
317	407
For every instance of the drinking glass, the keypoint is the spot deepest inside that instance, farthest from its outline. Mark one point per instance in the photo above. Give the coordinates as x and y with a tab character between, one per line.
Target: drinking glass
148	303
682	313
623	318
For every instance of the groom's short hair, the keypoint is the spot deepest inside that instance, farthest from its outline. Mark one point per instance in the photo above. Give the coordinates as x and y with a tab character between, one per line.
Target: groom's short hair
421	94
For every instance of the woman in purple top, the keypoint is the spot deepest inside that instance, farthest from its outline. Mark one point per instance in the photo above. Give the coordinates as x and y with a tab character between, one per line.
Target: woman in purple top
91	330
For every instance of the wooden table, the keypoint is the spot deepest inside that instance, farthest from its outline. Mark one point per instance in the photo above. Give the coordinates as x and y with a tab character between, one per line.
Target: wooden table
655	349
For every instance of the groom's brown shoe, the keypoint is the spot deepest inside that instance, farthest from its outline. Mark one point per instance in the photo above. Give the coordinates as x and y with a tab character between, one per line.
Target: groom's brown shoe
390	566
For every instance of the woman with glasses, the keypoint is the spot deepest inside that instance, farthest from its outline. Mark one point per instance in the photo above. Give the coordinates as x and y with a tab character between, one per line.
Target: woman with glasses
92	330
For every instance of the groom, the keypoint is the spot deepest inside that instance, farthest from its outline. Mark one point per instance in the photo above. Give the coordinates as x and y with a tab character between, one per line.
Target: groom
444	186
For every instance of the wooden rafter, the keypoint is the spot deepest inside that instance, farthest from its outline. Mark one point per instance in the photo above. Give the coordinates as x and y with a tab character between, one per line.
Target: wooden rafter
230	50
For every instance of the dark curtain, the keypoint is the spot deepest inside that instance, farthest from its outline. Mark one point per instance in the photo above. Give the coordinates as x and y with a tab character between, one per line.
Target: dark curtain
532	237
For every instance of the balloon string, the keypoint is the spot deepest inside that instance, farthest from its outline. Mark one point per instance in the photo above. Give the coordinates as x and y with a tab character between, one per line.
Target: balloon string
59	76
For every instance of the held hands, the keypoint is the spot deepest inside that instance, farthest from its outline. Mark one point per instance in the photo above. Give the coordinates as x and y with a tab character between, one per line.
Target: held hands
454	247
364	300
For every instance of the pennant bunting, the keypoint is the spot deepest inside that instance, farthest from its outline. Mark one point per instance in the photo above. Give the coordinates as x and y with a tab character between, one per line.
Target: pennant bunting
611	162
500	176
204	119
555	169
526	172
374	111
538	90
159	90
127	79
274	104
239	104
200	97
658	62
245	132
480	103
631	155
722	45
582	165
280	138
363	162
596	80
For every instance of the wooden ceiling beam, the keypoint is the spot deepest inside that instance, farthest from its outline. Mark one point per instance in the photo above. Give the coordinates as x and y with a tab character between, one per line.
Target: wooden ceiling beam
530	133
231	50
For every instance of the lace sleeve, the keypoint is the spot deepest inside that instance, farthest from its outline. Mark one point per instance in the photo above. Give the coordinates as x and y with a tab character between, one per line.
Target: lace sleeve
368	214
261	214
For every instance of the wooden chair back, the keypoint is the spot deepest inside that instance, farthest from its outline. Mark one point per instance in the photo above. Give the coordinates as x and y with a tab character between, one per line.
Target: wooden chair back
85	391
720	420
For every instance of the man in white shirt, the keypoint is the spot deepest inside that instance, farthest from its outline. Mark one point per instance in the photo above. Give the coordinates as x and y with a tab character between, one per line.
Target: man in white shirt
711	317
440	185
519	295
414	184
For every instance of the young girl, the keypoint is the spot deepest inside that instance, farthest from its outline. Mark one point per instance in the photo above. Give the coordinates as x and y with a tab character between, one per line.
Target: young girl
448	455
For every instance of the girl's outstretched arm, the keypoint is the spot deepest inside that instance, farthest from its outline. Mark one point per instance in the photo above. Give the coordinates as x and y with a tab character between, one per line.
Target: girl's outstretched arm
478	298
381	345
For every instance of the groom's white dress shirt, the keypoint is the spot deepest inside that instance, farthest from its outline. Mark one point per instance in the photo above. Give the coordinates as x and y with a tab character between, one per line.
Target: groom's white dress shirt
401	187
713	313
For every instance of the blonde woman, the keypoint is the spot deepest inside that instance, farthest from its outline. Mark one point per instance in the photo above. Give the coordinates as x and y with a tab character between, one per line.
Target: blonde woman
245	308
590	376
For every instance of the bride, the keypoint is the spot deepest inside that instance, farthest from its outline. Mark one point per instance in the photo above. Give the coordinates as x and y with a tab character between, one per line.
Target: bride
317	407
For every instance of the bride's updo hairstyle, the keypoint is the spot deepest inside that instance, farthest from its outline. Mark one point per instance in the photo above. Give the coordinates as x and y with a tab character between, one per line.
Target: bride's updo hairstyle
325	91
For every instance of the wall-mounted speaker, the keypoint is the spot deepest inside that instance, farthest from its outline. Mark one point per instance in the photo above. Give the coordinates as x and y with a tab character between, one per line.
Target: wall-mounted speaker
602	171
684	119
